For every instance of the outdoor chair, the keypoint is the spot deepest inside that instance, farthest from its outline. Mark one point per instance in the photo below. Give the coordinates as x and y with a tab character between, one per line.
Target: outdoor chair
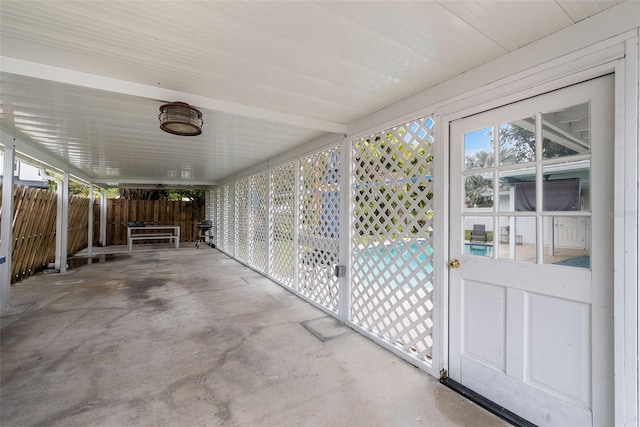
478	233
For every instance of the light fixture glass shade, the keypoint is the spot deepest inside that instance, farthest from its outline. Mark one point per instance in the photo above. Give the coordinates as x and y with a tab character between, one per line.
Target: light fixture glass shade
179	118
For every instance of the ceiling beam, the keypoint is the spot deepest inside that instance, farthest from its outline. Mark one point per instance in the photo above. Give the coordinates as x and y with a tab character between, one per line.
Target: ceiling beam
41	158
94	81
149	183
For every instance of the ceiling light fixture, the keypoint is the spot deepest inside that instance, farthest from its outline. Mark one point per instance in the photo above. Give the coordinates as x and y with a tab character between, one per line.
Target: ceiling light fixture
179	118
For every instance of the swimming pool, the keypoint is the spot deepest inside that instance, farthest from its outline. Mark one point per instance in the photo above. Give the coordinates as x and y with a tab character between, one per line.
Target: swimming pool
406	265
480	249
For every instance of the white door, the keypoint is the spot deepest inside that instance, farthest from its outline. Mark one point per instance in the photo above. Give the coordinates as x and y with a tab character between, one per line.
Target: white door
530	330
571	232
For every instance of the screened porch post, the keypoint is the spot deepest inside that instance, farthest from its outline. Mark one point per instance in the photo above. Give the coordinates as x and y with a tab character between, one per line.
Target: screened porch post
90	223
6	236
56	263
103	218
64	221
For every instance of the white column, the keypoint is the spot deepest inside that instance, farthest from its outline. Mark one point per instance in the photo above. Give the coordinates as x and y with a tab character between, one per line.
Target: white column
58	182
267	267
64	218
296	227
344	309
103	218
90	223
6	235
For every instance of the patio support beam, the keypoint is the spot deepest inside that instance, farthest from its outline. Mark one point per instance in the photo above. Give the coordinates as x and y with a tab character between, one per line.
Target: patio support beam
267	266
6	234
56	262
64	219
344	311
103	218
90	223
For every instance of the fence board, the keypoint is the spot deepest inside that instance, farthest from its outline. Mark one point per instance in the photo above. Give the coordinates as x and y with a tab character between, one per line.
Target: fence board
34	229
152	212
34	224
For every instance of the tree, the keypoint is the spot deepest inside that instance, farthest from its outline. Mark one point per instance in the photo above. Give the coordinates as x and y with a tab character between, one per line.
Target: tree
517	145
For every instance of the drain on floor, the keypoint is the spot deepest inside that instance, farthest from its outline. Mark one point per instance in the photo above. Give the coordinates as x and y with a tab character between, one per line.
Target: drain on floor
326	328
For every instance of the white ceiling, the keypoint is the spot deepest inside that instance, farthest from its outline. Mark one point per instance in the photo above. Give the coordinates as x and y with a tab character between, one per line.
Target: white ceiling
82	80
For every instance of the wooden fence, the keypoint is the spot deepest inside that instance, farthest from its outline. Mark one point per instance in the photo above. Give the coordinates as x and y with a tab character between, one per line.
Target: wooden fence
34	229
34	224
152	212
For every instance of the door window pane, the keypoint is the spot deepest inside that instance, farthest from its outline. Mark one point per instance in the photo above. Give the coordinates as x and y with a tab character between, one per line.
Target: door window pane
478	236
566	186
567	241
518	141
517	238
566	132
478	192
517	190
478	149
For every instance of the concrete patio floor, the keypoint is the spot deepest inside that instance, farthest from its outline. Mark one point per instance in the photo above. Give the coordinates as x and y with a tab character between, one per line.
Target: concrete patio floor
192	338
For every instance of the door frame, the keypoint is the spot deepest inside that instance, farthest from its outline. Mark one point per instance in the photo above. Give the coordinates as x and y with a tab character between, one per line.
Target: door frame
619	56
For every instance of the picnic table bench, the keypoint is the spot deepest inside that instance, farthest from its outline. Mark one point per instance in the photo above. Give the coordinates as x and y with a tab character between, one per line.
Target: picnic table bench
167	232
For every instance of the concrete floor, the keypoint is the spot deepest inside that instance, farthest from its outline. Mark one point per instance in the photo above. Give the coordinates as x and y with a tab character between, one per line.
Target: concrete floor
192	338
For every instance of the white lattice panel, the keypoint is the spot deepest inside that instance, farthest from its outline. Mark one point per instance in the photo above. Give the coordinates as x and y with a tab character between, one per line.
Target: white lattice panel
242	219
319	226
392	214
281	264
222	223
258	221
229	218
211	212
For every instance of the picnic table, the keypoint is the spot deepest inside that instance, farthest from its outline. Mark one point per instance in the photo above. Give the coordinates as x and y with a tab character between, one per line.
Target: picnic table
153	232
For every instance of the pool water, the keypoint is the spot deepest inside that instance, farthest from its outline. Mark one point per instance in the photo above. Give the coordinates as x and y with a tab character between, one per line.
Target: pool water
480	249
395	265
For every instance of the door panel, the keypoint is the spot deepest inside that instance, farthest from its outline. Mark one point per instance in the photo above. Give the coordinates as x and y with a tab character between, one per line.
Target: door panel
530	321
484	322
562	328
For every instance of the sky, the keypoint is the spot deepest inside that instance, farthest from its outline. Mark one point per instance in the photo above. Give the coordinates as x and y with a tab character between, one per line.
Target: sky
477	140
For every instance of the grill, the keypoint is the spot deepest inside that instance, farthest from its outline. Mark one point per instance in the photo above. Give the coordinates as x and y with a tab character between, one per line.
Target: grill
205	224
204	233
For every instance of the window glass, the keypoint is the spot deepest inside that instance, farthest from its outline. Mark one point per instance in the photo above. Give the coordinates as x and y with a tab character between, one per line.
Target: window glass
517	141
566	186
478	192
478	149
478	236
517	238
517	190
566	132
567	241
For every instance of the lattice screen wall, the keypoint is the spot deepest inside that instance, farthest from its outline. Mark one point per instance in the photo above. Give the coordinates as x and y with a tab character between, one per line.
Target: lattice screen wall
258	221
220	241
319	226
281	236
242	219
222	219
211	211
392	220
229	218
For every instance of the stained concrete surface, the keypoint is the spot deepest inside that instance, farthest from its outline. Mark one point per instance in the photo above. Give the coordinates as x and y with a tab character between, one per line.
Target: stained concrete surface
193	338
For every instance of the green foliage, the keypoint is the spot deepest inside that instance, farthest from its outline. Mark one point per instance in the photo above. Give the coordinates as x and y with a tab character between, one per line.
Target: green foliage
517	145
